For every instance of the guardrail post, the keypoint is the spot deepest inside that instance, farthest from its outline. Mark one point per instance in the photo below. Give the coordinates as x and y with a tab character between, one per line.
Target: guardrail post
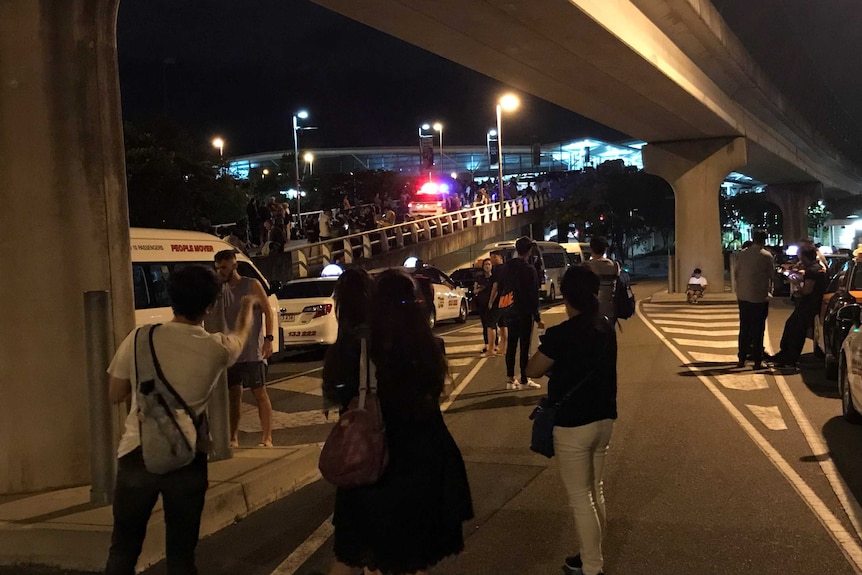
302	263
449	224
384	241
399	236
366	246
347	249
426	226
414	232
325	253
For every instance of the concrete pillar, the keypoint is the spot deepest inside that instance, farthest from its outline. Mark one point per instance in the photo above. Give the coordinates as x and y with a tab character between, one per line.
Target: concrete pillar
65	228
794	200
695	170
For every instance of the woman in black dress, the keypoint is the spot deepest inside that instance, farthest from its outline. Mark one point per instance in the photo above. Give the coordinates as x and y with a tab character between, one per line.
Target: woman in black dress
411	519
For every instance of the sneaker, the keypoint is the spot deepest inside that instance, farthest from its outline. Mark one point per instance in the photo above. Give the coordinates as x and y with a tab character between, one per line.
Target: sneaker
573	565
532	384
512	383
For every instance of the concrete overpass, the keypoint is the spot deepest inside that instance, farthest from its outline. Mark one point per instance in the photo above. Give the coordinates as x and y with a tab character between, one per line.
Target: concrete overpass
665	71
669	72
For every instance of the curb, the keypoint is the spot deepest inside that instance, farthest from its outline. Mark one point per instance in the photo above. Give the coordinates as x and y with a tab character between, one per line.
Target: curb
80	540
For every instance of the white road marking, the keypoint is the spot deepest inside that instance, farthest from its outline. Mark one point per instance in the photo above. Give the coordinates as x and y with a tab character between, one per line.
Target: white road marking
306	549
663	322
689	316
770	416
700	331
650	307
473	348
743	381
706	343
316	540
460	361
465	336
712	357
300	384
845	540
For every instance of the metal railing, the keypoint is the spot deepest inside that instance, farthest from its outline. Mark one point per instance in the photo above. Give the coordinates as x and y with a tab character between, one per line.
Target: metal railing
365	245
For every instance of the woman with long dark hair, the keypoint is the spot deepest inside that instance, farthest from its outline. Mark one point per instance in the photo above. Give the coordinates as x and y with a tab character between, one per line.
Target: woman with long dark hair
580	356
411	518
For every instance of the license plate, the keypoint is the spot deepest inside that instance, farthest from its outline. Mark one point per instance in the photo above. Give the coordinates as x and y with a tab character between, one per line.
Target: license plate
290	317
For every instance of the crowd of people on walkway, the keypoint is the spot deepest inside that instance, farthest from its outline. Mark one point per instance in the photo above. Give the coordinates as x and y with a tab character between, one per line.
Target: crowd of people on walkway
411	517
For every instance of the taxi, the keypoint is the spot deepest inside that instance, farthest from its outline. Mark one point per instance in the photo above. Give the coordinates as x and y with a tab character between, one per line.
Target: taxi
844	288
850	364
307	312
443	299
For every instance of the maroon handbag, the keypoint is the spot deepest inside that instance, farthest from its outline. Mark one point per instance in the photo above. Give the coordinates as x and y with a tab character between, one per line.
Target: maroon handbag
355	452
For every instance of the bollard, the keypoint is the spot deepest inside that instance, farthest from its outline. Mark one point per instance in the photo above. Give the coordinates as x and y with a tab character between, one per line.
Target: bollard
103	460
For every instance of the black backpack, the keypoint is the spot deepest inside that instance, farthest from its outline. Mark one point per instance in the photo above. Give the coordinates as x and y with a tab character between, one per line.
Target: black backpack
624	299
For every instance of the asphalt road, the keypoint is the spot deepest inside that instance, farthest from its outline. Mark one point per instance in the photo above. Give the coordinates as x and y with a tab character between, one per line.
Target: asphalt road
712	469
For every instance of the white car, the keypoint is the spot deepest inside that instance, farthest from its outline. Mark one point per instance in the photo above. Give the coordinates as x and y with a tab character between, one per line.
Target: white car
307	312
850	365
445	300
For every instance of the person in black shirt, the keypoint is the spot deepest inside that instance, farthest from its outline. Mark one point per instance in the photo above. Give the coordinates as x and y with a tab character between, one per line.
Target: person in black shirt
580	356
812	281
518	289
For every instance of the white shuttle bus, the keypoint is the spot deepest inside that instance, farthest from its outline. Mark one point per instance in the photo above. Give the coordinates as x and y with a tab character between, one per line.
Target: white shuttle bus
156	253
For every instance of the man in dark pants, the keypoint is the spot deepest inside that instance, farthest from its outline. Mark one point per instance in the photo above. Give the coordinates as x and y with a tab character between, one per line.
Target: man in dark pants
754	270
812	281
518	290
194	360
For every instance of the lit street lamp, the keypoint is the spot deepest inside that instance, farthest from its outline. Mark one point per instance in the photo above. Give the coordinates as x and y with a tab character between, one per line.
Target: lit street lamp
422	129
219	143
438	127
509	102
302	114
309	162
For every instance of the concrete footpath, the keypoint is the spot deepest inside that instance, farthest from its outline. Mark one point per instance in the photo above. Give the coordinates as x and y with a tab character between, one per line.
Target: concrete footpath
63	529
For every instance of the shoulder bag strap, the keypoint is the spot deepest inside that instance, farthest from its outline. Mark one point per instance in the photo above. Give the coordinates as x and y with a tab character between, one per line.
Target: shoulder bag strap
144	370
164	380
363	371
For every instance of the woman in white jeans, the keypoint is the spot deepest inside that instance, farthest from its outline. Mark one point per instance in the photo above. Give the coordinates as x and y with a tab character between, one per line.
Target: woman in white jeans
580	357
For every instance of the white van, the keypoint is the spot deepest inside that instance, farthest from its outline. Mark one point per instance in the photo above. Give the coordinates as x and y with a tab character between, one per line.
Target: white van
554	262
156	253
578	252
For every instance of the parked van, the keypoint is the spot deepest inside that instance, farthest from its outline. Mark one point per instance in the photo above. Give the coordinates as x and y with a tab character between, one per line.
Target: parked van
578	252
553	264
156	253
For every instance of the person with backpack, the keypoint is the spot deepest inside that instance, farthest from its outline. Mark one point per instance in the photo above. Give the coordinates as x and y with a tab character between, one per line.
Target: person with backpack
616	300
517	294
187	362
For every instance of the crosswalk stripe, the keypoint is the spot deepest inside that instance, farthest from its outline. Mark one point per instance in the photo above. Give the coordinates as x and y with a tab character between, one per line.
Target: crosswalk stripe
706	343
712	357
679	323
466	336
650	307
770	416
701	331
456	349
689	316
249	422
460	361
743	381
301	384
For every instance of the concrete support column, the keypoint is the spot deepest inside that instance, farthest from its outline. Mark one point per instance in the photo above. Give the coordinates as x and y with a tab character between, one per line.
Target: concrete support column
65	229
794	200
695	170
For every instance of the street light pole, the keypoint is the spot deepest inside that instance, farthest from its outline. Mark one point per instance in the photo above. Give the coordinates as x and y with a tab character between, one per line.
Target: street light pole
303	115
438	127
219	143
508	102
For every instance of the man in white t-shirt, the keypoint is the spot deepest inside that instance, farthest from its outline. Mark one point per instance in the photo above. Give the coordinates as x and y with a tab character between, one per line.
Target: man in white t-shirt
696	286
192	361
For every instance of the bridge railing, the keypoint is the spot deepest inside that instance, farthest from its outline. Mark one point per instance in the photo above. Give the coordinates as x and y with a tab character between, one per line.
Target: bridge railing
365	245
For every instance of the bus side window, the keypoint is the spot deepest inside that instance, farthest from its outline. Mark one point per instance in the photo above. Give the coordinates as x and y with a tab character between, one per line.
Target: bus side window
139	282
159	276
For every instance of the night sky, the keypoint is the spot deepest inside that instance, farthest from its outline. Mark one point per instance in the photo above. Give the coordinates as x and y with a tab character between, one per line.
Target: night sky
241	68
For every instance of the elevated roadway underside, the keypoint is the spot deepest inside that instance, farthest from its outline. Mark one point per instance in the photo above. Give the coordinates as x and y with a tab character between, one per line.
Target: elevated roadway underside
659	70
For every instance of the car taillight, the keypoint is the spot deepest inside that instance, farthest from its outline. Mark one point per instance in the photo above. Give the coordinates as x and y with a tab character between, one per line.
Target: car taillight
319	310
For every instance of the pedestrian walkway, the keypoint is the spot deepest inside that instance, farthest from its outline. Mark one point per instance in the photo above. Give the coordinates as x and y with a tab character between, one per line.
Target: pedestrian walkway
61	528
